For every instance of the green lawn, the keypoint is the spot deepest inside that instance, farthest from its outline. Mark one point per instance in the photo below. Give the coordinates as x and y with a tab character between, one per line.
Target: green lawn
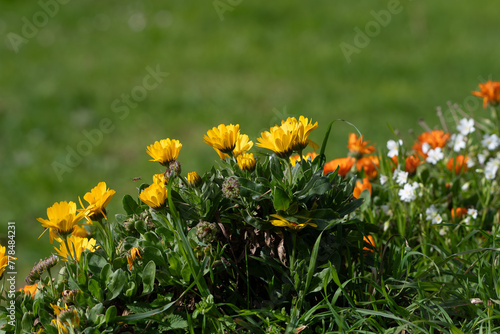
263	62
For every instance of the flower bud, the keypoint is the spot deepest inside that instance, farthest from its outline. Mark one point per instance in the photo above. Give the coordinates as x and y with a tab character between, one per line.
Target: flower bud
173	170
206	232
231	187
194	180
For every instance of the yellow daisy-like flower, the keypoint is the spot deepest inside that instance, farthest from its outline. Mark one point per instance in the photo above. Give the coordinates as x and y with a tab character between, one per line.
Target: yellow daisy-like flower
243	144
223	137
279	140
246	161
194	179
164	151
308	156
159	179
62	219
98	198
282	222
65	318
155	195
301	128
4	260
77	245
133	254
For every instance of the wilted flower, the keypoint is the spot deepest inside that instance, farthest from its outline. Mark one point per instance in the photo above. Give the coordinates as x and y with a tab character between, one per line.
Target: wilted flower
40	267
282	222
358	146
466	126
223	137
360	186
193	179
458	164
154	196
164	151
490	92
4	260
132	255
65	318
246	161
343	164
231	187
62	219
76	246
98	198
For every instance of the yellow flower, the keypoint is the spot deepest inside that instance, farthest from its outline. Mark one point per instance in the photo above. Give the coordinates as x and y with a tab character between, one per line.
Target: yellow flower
76	246
194	179
246	161
62	219
155	195
243	144
309	156
303	128
223	138
4	260
164	151
133	254
159	179
98	198
65	317
282	222
279	140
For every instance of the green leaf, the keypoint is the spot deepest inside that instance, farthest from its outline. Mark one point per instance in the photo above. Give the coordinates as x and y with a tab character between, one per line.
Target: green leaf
117	282
252	190
281	201
129	205
95	312
110	314
95	289
148	277
96	263
276	169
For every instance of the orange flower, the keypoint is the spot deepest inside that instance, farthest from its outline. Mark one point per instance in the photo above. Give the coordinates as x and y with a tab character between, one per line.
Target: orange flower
369	240
360	186
458	165
30	289
359	146
369	164
134	253
435	138
458	212
411	163
490	92
344	165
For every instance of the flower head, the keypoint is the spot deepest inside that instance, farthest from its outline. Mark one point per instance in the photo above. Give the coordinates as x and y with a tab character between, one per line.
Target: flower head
164	151
159	179
458	213
193	179
278	140
433	215
369	164
430	140
466	126
360	186
4	260
411	163
343	164
30	290
223	137
77	245
400	176
98	198
489	91
393	147
65	318
408	193
491	142
282	222
62	219
458	164
231	187
303	127
132	255
246	161
309	156
243	144
358	146
154	196
434	155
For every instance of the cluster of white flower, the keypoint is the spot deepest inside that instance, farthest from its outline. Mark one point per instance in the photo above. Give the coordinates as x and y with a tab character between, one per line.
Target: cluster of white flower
400	176
409	192
393	147
434	155
471	214
491	142
433	215
491	167
458	142
466	126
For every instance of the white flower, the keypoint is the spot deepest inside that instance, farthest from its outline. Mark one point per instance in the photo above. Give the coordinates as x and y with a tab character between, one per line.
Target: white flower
383	179
425	148
470	163
386	225
393	147
466	126
434	155
443	231
400	176
457	142
433	215
491	168
472	213
407	194
466	186
481	157
491	142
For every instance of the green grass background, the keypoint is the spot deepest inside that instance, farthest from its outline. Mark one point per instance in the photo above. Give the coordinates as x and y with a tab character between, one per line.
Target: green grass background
264	61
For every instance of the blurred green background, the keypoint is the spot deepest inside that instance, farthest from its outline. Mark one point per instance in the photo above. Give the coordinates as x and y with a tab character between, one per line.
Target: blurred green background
229	61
